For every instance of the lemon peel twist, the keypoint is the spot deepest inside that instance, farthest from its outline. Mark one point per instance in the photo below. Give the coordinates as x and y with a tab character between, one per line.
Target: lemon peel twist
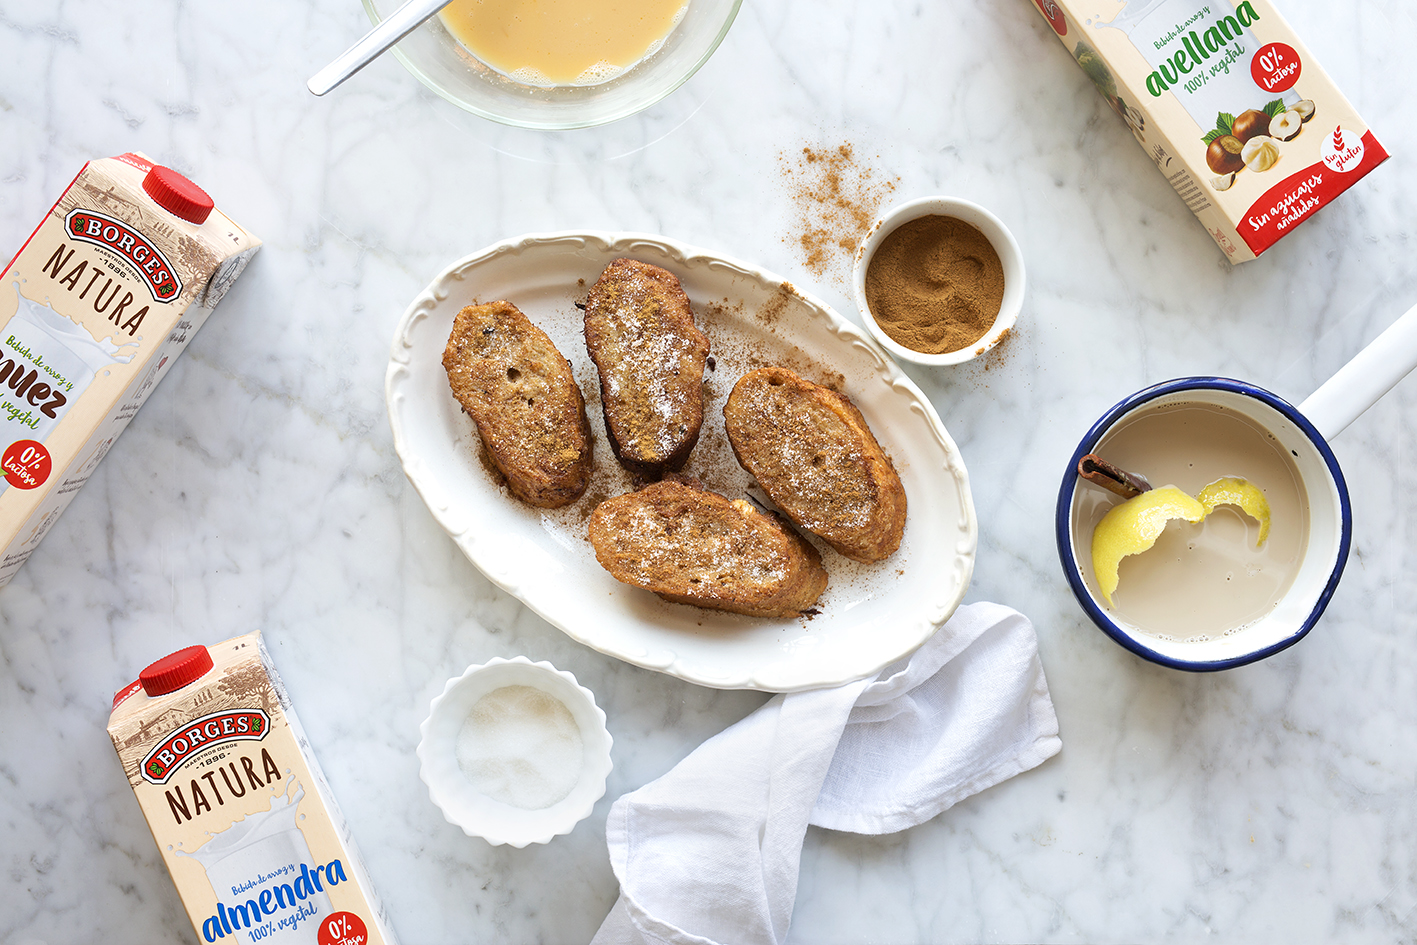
1242	493
1134	526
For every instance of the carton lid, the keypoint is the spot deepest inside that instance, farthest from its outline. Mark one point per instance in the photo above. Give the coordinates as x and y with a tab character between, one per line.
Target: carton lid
132	689
178	195
176	670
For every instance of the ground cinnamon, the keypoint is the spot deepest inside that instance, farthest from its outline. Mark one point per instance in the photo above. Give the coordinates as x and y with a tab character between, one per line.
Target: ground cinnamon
836	198
935	284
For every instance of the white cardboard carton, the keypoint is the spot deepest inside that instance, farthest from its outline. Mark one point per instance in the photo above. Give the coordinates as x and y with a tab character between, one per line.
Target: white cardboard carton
105	293
245	821
1228	103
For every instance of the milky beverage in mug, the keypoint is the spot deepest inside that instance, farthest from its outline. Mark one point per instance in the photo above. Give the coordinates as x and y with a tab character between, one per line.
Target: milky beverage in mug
105	293
235	799
1209	579
1227	102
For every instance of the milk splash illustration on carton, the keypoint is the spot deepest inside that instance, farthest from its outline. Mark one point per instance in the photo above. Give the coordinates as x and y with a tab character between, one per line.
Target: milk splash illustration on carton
47	362
1200	52
252	865
245	821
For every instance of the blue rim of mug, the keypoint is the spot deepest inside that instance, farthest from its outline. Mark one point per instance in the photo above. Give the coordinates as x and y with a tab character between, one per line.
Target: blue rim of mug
1069	486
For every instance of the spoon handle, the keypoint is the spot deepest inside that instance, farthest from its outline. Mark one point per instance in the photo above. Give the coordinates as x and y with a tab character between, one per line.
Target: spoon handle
390	30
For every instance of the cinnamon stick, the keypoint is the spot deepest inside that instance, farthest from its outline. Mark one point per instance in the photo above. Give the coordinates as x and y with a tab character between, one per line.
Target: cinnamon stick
1099	472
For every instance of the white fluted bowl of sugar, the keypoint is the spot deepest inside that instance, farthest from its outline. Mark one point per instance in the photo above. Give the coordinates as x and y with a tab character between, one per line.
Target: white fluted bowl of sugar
514	752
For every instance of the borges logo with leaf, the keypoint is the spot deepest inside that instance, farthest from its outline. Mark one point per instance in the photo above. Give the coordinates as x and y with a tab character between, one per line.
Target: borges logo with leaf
231	726
116	236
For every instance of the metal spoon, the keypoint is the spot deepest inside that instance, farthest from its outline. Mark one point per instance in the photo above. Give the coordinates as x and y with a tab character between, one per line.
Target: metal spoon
399	24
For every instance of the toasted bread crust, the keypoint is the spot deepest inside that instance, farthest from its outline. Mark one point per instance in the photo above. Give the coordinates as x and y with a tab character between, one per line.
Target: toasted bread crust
641	335
523	397
691	546
813	454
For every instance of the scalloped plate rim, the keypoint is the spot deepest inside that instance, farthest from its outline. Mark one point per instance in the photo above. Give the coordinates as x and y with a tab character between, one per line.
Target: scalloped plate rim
885	368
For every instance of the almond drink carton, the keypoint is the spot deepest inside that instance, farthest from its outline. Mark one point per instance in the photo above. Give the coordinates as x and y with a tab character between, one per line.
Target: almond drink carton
234	797
102	297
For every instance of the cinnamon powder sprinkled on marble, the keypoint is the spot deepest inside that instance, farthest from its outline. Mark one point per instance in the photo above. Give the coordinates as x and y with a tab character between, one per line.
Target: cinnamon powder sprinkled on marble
998	356
835	199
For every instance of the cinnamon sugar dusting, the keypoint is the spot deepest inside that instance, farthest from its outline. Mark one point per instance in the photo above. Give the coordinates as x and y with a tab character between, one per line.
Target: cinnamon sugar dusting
640	332
835	200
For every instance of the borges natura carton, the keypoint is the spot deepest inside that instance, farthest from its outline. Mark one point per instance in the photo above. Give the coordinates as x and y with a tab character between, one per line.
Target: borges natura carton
245	821
101	298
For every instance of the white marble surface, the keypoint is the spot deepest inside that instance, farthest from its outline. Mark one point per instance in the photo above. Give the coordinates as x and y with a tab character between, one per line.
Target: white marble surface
259	487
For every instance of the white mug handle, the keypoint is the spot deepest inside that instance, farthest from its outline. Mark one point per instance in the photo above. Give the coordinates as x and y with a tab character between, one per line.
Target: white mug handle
1361	382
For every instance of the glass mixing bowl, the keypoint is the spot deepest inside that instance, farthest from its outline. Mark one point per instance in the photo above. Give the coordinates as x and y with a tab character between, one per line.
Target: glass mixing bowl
445	66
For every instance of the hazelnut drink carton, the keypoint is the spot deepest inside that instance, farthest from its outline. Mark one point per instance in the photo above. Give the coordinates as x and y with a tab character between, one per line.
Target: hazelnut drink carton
243	817
105	293
1228	103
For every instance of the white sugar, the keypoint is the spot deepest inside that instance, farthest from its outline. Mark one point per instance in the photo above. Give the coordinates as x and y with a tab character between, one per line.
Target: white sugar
521	746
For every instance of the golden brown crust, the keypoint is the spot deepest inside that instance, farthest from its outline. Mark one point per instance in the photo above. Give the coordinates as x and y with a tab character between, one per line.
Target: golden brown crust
813	454
522	395
691	546
641	335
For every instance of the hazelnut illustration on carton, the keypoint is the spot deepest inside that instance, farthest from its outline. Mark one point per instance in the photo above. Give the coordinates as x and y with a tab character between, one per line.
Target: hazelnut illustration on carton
1228	103
106	292
242	815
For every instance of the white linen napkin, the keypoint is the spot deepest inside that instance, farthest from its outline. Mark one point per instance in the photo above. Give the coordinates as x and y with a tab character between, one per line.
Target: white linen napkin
710	852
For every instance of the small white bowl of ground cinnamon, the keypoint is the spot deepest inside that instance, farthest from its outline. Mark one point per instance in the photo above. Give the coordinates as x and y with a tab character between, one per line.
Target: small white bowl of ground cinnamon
939	280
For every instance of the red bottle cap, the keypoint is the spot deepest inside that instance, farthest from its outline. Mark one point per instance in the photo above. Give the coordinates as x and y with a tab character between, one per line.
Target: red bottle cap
176	670
178	195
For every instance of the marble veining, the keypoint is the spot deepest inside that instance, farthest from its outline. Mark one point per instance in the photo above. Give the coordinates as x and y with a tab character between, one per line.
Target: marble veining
259	486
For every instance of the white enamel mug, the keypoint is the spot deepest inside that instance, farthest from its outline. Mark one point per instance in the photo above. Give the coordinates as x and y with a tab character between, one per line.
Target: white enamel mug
1304	432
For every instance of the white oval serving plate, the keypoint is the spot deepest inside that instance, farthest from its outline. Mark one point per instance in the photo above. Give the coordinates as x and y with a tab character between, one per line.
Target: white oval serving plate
869	616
